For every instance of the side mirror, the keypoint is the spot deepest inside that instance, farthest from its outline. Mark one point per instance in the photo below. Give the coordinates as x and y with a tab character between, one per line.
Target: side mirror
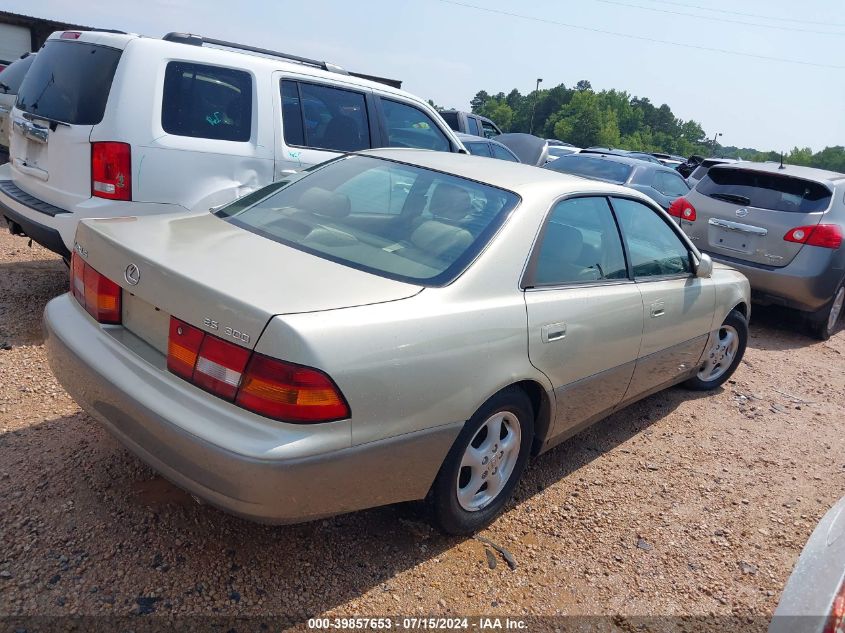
704	270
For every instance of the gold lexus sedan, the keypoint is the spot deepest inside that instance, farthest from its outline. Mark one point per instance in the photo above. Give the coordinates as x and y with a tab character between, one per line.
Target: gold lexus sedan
389	326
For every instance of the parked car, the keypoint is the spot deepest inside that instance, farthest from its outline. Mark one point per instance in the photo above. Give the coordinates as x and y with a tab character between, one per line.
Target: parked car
481	146
668	158
556	151
470	123
530	149
609	151
392	325
813	600
10	80
781	226
140	125
662	184
704	166
689	165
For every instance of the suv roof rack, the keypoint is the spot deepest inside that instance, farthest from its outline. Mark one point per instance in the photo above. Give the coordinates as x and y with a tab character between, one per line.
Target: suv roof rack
199	40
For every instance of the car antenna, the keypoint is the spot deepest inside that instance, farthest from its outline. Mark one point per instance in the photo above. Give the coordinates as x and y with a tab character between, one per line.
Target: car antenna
781	161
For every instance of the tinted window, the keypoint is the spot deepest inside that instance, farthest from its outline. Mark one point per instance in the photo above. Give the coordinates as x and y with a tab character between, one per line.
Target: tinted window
408	126
489	130
764	190
580	244
13	75
478	149
206	102
472	126
69	82
503	153
557	150
670	185
590	167
451	119
699	172
324	117
441	222
654	249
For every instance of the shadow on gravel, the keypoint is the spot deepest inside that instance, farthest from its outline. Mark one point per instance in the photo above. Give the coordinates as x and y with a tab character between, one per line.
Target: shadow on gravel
26	287
108	531
780	328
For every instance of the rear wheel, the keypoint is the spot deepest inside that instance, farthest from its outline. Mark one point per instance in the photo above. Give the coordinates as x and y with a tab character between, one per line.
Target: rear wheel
724	355
823	323
484	465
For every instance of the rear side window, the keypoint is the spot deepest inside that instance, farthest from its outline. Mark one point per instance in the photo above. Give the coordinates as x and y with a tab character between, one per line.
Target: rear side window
69	82
12	77
597	168
207	102
408	126
764	190
478	149
324	117
502	153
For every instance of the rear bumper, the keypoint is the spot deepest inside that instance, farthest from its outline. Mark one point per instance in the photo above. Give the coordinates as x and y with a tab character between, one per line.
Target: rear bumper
49	238
807	283
265	471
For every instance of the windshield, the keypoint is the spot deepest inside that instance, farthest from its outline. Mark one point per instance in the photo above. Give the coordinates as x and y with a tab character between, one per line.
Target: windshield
764	190
12	76
69	81
394	220
589	167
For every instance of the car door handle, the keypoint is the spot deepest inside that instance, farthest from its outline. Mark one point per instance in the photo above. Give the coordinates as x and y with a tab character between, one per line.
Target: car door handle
658	309
553	332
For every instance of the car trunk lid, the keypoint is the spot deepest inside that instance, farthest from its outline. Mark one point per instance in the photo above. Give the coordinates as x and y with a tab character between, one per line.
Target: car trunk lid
745	214
218	277
61	99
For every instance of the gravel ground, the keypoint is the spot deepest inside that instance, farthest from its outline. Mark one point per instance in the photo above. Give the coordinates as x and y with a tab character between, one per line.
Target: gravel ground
683	504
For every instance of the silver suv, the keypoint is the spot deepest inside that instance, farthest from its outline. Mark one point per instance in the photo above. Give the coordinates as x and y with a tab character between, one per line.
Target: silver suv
780	225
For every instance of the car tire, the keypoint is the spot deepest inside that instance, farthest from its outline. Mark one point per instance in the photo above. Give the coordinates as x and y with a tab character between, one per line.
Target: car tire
724	355
824	322
456	506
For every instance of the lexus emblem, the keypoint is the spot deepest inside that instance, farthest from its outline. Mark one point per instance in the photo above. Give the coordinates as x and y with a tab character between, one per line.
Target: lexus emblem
132	274
741	213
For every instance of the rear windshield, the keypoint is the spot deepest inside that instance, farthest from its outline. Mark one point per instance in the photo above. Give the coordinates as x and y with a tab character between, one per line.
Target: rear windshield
764	190
700	172
69	81
12	76
596	168
451	119
394	220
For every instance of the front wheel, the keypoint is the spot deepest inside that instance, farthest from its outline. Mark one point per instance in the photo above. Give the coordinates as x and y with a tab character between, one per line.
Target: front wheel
724	355
823	323
484	464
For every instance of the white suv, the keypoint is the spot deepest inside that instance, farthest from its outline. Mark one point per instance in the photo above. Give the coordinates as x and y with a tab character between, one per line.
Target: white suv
111	125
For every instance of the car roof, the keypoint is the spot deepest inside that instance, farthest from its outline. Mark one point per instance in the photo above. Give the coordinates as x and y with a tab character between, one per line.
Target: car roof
808	173
616	158
497	173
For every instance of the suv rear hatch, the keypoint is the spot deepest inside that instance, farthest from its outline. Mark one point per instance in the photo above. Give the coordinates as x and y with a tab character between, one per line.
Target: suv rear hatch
59	102
745	214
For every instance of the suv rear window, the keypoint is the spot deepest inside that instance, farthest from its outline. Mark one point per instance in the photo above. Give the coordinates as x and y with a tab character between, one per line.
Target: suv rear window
764	190
69	82
12	76
207	102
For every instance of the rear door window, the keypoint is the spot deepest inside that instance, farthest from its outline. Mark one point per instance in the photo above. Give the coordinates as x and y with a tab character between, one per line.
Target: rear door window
472	126
324	117
478	149
489	130
670	185
764	190
207	102
408	126
69	82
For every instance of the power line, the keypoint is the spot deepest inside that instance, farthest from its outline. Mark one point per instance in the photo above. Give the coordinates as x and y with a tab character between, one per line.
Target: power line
748	15
717	19
640	37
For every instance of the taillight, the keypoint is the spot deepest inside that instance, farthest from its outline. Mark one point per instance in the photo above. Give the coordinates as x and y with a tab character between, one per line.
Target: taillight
111	170
272	388
99	295
836	619
70	35
289	392
682	209
824	235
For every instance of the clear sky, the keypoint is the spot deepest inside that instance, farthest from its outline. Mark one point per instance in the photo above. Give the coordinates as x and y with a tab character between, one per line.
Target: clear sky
448	52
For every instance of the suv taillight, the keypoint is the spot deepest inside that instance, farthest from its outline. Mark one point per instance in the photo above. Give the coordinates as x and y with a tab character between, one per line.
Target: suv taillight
824	235
836	618
99	295
682	209
111	170
267	386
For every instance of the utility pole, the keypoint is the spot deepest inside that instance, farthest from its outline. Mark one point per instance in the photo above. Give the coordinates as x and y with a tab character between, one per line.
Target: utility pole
715	136
534	107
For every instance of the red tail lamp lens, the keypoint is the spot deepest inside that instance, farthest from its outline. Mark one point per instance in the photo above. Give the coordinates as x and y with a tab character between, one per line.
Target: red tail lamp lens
99	295
183	346
823	235
289	392
111	170
682	209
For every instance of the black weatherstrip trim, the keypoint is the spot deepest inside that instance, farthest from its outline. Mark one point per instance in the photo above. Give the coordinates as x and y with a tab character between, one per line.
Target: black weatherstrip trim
18	195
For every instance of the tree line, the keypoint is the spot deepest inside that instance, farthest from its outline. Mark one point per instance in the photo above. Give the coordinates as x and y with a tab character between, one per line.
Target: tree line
614	118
